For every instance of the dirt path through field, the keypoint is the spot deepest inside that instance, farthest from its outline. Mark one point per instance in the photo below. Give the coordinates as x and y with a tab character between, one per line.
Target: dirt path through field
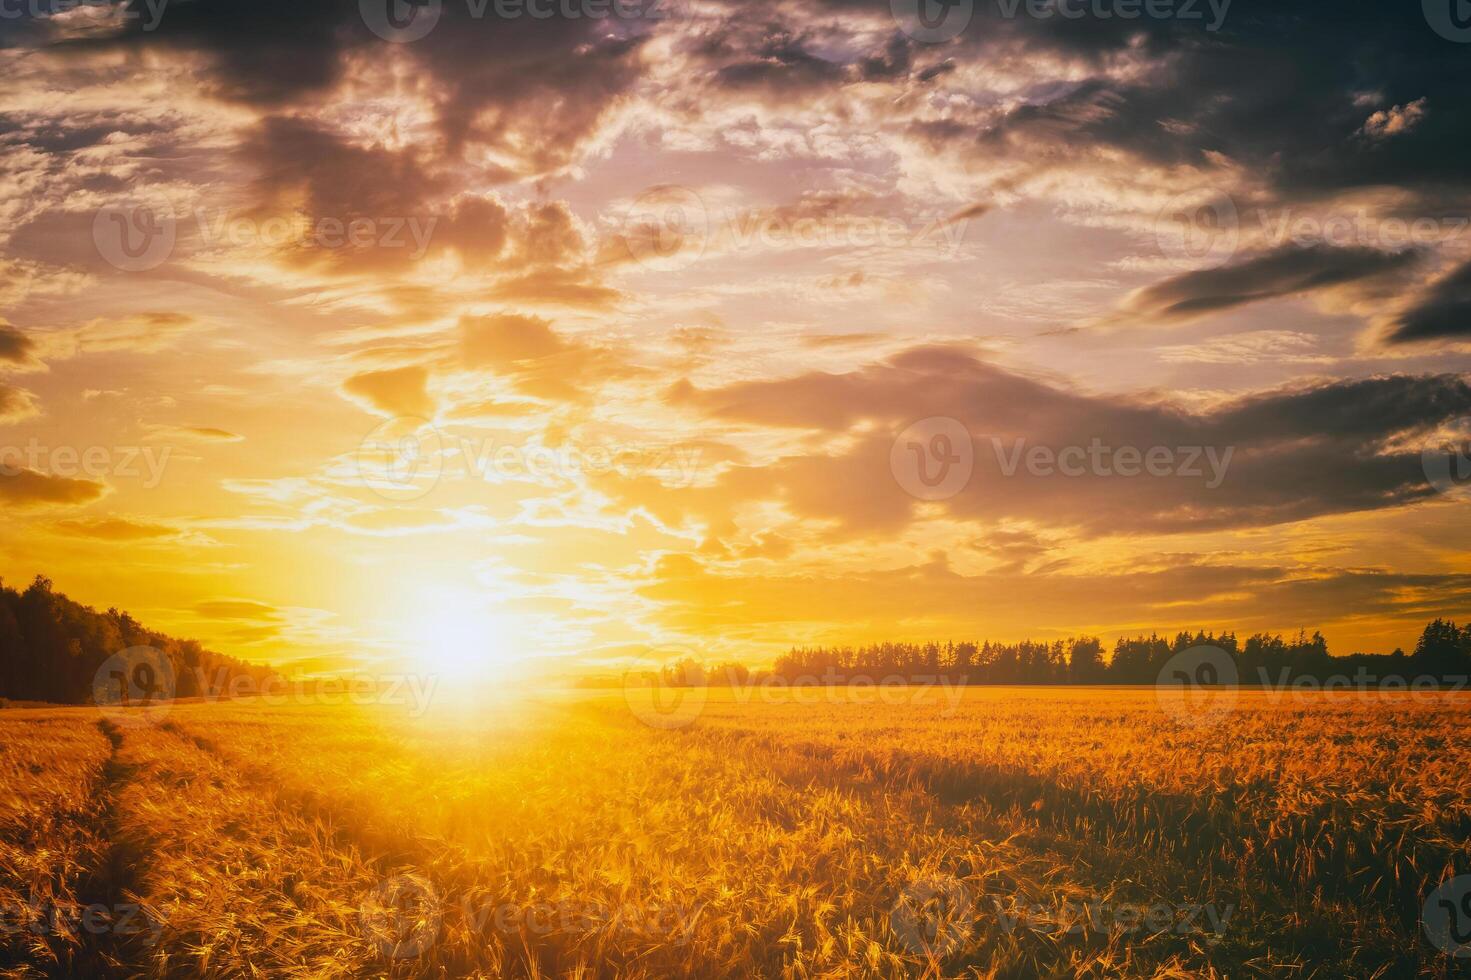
113	923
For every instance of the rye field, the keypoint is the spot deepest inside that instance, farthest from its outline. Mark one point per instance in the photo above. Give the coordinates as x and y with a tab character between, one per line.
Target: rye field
999	832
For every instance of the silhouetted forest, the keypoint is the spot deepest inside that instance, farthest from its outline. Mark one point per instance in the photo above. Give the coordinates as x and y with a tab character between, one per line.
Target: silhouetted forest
51	649
1443	652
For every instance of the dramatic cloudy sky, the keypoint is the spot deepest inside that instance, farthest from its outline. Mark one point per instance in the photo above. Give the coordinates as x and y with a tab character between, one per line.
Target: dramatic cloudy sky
324	330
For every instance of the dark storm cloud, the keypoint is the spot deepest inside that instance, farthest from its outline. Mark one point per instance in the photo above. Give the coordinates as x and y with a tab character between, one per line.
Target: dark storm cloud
1443	313
264	52
1293	453
1280	87
76	131
781	62
531	87
893	62
1287	271
1284	92
339	179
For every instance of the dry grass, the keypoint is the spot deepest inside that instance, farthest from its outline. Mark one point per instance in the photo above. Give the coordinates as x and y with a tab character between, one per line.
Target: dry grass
1014	832
52	769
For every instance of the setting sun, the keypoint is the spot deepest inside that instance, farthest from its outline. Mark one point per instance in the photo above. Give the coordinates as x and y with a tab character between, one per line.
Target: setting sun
452	637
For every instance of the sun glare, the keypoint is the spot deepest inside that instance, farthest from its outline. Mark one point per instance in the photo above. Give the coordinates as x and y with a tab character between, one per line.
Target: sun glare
455	638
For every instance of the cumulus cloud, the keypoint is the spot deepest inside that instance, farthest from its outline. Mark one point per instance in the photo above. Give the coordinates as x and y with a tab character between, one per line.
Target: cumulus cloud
528	90
395	392
16	405
1356	438
537	360
1394	120
16	349
22	487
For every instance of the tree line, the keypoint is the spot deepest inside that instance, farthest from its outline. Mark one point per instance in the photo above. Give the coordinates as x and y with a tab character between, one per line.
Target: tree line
52	649
1443	653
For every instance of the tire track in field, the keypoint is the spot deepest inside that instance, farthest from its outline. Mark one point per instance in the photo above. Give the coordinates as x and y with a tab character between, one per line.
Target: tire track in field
113	924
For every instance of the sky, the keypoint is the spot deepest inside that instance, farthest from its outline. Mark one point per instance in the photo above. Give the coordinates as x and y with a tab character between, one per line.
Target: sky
335	332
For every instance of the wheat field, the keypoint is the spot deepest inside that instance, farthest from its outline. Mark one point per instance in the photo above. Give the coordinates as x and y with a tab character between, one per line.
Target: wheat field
1006	832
